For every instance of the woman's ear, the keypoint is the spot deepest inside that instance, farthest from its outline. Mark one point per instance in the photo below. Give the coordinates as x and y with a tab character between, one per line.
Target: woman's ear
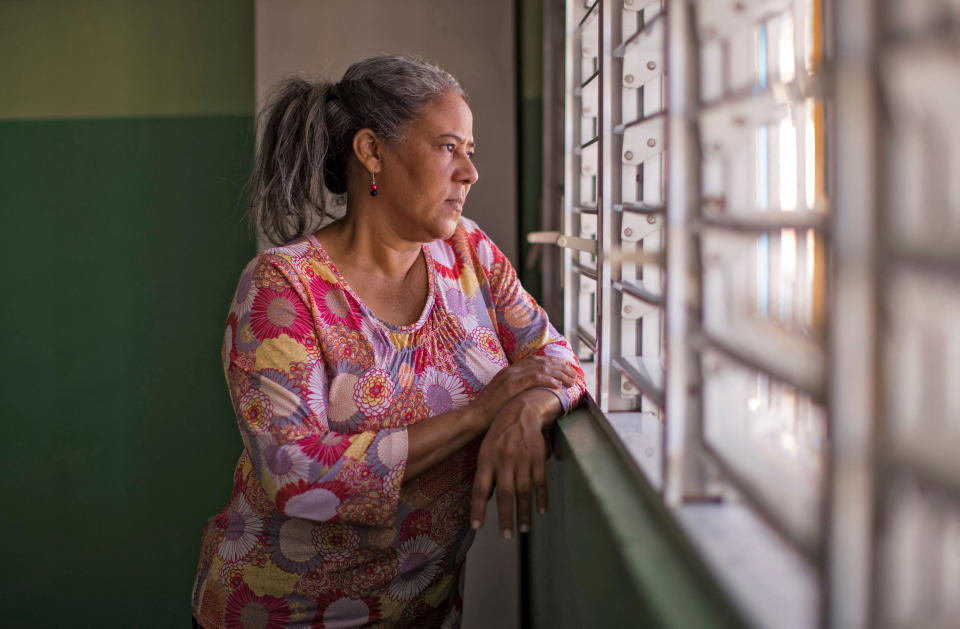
366	147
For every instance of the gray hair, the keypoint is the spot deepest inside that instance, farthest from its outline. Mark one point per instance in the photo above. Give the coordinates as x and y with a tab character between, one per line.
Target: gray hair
307	129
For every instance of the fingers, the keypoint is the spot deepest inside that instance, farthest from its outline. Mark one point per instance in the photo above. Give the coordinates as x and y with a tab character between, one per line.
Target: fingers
482	487
535	371
505	498
559	369
540	482
549	372
523	499
515	464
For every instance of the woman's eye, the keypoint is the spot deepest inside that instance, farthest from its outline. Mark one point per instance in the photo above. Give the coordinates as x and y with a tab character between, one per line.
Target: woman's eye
450	147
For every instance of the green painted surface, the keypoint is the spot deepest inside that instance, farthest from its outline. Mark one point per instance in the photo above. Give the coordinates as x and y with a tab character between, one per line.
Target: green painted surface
530	141
112	58
607	554
123	242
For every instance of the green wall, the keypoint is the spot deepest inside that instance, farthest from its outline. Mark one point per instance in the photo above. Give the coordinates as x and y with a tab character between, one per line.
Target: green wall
529	46
608	554
125	143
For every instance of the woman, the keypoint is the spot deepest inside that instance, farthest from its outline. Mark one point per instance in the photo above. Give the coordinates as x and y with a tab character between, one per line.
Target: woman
387	371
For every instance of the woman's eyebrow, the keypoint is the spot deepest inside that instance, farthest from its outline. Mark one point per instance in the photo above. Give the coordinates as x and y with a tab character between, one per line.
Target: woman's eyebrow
458	139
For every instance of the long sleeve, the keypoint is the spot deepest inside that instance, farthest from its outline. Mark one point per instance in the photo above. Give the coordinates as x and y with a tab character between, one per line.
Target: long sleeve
278	382
522	325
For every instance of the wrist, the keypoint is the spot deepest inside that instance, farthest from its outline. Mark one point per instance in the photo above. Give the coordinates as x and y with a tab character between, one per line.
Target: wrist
477	418
539	407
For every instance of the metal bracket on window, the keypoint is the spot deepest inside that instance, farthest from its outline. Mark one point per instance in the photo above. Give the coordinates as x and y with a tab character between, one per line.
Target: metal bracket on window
589	98
636	379
642	140
588	226
636	227
588	160
643	55
590	36
587	285
633	308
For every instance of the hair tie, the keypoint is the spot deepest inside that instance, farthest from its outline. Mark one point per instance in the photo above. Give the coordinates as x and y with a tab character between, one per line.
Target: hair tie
332	92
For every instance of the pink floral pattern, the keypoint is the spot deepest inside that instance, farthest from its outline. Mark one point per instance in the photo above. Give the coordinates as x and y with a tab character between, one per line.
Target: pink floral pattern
318	530
245	609
279	312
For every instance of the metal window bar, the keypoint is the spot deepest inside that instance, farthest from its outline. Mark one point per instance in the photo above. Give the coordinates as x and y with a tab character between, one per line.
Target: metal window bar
611	226
623	286
910	59
715	126
639	145
853	362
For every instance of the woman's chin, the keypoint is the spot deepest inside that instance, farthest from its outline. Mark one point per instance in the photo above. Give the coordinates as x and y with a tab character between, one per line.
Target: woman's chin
449	230
447	226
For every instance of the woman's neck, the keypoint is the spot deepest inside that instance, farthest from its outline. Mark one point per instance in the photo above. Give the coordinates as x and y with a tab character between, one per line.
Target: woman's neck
370	246
388	274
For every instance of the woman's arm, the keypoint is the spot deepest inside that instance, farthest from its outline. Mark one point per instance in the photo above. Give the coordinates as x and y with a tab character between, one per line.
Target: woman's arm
513	459
513	453
435	438
522	325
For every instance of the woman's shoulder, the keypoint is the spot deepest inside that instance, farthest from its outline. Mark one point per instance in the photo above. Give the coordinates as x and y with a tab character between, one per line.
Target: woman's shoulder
279	263
292	251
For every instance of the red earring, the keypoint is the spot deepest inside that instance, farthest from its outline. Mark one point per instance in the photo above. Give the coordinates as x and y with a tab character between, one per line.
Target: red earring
373	184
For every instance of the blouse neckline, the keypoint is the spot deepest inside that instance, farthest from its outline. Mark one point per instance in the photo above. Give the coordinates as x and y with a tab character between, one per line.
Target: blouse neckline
392	327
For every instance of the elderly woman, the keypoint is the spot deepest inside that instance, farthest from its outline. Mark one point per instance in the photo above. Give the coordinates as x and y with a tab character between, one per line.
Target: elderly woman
387	372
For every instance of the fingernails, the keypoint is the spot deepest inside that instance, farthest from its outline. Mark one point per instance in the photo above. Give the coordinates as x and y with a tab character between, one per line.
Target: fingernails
507	534
524	528
475	524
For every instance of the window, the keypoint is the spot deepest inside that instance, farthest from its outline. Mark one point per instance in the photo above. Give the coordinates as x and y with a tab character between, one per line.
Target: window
917	246
614	200
760	262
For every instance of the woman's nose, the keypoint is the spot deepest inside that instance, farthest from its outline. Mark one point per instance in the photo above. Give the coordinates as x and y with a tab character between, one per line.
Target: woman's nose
468	172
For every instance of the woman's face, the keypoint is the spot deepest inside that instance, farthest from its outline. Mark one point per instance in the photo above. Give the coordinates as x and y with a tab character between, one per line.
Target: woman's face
425	178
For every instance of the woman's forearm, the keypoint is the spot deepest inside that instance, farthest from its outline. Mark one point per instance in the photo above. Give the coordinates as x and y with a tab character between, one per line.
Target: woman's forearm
512	459
435	438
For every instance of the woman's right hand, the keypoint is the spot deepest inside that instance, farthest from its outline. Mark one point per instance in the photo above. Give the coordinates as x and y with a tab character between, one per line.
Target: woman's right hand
534	371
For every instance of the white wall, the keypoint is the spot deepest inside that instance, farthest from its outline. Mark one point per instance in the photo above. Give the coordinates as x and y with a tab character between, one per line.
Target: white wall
473	39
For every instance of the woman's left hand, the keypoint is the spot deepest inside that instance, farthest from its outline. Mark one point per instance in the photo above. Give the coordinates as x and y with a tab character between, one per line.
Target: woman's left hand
513	459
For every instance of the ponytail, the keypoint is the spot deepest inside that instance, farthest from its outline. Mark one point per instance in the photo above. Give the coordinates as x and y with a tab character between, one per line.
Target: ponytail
288	175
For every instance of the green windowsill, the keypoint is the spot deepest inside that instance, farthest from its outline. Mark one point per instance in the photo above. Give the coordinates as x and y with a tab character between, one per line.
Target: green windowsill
629	538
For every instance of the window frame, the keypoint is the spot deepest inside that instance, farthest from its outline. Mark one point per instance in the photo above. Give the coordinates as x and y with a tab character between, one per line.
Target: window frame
844	568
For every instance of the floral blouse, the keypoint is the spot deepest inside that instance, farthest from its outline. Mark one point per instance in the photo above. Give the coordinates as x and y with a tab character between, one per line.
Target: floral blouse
318	530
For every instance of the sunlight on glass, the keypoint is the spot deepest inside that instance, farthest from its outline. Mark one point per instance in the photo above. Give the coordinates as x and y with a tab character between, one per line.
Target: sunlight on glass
808	285
787	53
780	418
788	165
810	154
789	309
790	423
